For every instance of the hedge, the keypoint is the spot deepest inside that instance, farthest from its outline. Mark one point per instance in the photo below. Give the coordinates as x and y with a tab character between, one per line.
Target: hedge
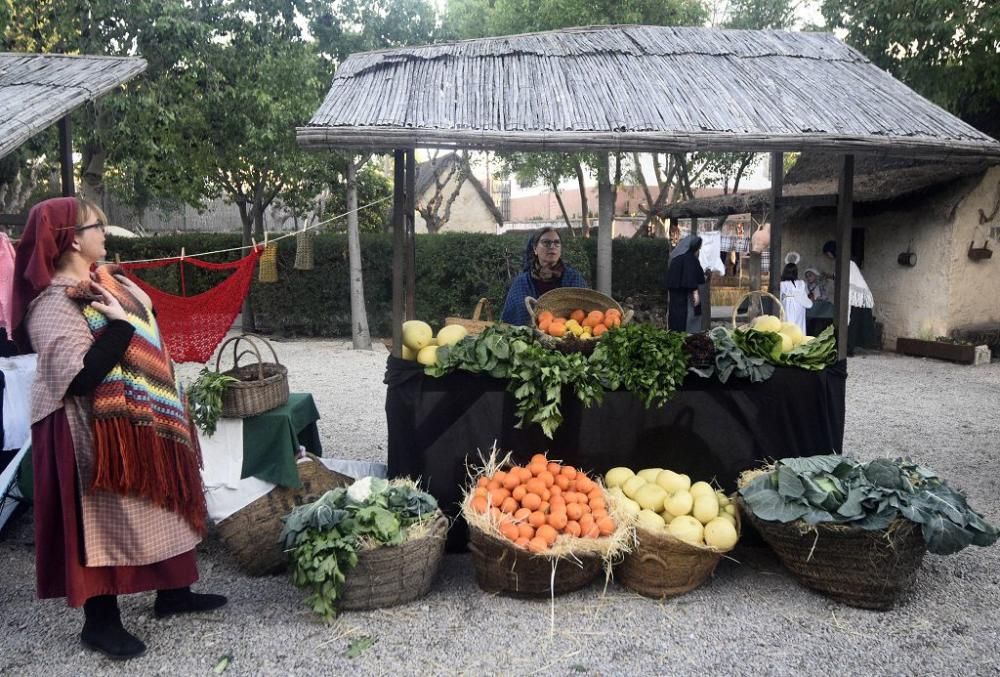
453	272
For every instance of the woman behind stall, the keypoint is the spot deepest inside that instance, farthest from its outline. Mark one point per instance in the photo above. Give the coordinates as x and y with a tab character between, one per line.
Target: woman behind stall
684	276
861	319
543	270
119	504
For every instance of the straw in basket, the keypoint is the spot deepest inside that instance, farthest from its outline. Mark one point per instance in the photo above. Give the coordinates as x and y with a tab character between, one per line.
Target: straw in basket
252	535
662	566
389	575
260	387
475	325
867	569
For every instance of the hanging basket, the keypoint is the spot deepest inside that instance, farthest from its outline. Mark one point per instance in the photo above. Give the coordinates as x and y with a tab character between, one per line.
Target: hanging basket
269	264
475	325
252	535
758	295
304	250
395	574
260	387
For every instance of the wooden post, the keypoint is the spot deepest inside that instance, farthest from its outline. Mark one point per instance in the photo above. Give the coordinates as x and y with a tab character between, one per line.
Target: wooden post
605	221
777	183
754	278
66	156
845	215
398	250
409	219
706	302
694	225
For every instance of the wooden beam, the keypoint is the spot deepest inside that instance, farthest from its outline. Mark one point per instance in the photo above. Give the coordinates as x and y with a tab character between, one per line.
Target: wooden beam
66	156
398	250
777	185
788	201
409	219
694	225
706	302
845	209
605	221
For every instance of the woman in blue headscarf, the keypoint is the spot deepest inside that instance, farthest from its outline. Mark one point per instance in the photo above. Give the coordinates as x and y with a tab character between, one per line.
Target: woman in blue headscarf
543	271
684	276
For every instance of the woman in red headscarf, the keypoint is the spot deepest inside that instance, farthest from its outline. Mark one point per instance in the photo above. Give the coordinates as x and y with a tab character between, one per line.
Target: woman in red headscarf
119	506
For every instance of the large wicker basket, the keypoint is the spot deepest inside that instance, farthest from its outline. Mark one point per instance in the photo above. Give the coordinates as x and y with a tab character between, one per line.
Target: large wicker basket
663	566
475	325
867	569
759	297
260	387
564	300
502	567
252	535
397	574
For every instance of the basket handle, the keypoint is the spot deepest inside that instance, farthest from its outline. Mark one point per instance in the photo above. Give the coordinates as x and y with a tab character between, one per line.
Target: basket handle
652	557
531	303
246	337
758	294
483	303
627	316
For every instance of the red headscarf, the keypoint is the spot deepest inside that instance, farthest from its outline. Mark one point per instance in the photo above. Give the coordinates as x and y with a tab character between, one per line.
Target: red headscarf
49	233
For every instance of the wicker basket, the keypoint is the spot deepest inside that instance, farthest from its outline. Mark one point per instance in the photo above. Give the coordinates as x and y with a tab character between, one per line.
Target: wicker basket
867	569
565	300
397	574
253	534
260	387
759	295
663	566
502	567
304	250
475	325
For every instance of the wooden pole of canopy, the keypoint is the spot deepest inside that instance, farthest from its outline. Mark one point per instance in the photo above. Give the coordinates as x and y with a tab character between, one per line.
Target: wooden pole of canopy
606	217
409	220
845	214
398	247
777	185
66	156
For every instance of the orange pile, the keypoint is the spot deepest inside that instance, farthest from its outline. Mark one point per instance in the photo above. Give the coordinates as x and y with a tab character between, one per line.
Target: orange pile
598	322
536	504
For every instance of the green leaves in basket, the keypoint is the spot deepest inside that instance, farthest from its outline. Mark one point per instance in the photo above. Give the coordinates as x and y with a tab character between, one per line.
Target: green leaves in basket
324	536
838	490
205	399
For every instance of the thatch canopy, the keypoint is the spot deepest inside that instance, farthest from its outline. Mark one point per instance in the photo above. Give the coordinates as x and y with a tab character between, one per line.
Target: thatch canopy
634	88
876	179
37	90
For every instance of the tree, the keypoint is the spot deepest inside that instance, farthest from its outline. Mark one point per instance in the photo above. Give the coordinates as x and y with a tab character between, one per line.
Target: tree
447	176
947	50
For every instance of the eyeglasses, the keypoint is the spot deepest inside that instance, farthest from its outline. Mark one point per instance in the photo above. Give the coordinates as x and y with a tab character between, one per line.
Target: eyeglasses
550	244
96	225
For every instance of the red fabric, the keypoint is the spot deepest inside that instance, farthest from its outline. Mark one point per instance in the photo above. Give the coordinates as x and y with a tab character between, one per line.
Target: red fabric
58	539
48	234
194	326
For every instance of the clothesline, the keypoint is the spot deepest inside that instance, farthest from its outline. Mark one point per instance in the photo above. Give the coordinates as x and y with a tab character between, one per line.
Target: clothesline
266	240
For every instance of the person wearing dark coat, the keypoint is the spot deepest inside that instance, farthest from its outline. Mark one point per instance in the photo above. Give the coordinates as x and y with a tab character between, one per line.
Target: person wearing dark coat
543	271
684	276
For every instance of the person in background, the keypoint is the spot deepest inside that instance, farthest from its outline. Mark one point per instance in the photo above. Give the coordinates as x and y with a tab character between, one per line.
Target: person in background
543	270
684	276
119	504
794	296
861	318
820	315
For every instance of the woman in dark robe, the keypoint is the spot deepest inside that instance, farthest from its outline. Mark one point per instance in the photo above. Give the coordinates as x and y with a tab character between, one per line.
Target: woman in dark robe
684	276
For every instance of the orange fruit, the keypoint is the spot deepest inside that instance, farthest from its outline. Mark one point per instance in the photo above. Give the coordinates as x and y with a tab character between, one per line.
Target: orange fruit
557	329
482	482
537	468
521	542
521	514
562	481
526	530
536	485
531	501
574	511
586	522
537	544
599	329
509	505
598	514
547	532
572	528
593	532
593	318
554	468
496	515
511	481
536	519
558	520
544	325
539	458
544	507
510	532
578	315
557	503
479	504
518	493
583	484
497	496
480	491
598	504
546	477
544	316
525	474
554	490
569	471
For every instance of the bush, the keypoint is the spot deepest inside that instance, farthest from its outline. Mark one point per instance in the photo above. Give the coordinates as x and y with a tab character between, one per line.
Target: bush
453	271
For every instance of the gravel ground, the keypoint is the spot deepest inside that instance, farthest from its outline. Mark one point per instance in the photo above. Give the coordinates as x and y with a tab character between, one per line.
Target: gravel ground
751	619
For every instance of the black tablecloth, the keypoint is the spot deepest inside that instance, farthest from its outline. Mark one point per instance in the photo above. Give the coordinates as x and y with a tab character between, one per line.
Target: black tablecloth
708	430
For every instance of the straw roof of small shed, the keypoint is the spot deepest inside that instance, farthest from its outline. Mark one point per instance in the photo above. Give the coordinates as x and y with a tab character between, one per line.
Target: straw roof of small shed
36	90
634	88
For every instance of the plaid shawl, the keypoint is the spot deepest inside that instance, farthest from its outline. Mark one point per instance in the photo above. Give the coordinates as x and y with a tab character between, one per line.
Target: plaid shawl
143	441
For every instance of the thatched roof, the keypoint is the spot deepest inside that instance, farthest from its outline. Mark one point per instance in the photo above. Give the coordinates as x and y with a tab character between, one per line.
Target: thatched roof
36	90
876	179
634	88
442	165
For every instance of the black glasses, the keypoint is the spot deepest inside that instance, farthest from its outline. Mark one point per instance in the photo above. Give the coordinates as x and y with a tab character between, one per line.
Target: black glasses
96	225
550	244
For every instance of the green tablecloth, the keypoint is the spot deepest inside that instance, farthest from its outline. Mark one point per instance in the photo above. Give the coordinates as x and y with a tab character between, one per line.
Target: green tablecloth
270	443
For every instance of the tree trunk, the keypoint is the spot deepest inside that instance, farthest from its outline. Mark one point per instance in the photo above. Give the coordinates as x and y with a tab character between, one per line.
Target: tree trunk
562	208
360	335
246	323
606	210
584	218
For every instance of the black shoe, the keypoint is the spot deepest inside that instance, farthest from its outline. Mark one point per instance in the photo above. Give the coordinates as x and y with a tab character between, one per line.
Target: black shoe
103	631
183	601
